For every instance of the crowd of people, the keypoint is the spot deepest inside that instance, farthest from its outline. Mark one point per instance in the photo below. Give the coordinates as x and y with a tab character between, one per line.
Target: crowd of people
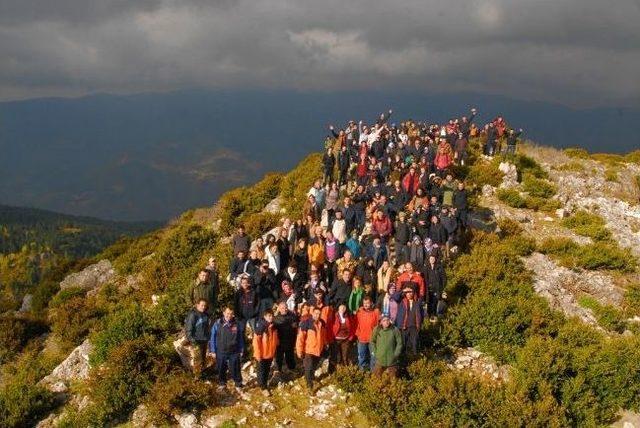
355	275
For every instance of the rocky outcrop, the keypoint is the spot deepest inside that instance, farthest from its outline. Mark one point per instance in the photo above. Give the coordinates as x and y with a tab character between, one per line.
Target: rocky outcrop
562	287
275	206
477	362
91	277
510	172
74	367
26	304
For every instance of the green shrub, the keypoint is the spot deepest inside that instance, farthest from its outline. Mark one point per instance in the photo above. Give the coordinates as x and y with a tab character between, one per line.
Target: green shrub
538	187
258	223
511	197
481	173
125	323
608	159
72	320
608	316
65	295
119	385
527	165
43	295
611	174
16	331
297	182
574	166
178	392
598	255
632	299
542	204
23	402
576	152
588	224
136	255
509	227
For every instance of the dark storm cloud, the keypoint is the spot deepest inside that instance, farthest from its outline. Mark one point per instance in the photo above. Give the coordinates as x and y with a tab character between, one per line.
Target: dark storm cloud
580	52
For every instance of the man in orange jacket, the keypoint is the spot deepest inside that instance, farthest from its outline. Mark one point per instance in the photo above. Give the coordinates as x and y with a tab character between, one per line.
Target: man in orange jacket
265	342
310	344
366	320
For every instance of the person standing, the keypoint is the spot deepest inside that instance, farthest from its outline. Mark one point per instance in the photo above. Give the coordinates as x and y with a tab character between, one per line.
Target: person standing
227	346
344	329
203	289
386	347
409	318
286	322
197	331
366	320
265	343
241	241
310	344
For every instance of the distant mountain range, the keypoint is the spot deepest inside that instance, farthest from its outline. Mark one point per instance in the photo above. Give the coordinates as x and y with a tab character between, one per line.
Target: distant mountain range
151	156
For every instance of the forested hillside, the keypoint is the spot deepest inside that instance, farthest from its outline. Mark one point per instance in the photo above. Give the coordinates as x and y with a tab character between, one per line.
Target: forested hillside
67	235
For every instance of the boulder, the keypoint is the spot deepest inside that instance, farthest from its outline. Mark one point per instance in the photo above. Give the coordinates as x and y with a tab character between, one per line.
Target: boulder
510	172
91	277
187	420
275	206
74	367
26	303
562	213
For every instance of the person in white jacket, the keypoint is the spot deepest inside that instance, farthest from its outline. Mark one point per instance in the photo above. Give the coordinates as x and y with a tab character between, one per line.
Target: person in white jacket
339	228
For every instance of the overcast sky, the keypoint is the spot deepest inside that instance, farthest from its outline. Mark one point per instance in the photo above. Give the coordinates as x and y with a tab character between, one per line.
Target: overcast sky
576	52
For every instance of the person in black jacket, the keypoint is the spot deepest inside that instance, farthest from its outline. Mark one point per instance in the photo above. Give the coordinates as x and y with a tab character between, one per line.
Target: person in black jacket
341	289
512	140
436	279
264	281
197	331
286	323
461	203
344	162
246	303
350	215
437	232
402	236
328	163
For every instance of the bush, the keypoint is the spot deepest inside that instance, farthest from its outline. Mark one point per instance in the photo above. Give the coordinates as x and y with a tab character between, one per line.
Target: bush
481	173
43	295
258	223
178	392
124	323
632	299
527	165
15	332
541	204
72	320
538	187
598	255
611	174
119	385
588	224
65	295
577	153
608	316
511	197
23	402
297	182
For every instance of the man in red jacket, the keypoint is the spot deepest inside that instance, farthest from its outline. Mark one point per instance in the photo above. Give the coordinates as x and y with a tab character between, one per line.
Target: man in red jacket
382	226
410	276
367	318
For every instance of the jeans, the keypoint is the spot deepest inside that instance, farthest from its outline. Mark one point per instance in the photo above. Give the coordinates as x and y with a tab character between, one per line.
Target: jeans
366	360
264	366
232	362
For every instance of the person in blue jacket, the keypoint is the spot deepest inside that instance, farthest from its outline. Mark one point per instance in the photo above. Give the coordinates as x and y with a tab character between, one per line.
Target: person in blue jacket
227	347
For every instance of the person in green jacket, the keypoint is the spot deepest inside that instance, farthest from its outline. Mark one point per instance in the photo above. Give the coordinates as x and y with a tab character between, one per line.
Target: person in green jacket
203	289
386	347
355	297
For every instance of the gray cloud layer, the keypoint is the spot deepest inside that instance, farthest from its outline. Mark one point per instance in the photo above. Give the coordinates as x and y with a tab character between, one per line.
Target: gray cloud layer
577	52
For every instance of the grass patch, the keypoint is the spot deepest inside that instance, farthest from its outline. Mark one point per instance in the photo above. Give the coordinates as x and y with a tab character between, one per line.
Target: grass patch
594	256
576	153
608	316
588	224
537	187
